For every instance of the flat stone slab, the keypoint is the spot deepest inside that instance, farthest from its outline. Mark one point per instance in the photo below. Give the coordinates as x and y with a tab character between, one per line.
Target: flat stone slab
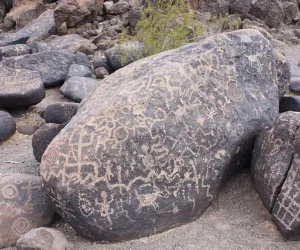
13	38
77	88
20	88
53	65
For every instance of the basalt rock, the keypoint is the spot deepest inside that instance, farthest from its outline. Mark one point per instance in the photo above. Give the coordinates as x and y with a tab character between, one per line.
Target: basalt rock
20	88
60	112
276	172
53	65
150	149
7	125
24	205
14	50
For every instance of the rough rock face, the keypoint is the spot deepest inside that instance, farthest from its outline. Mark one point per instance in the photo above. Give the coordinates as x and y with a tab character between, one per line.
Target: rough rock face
75	12
151	147
7	125
276	174
20	88
24	205
14	50
53	65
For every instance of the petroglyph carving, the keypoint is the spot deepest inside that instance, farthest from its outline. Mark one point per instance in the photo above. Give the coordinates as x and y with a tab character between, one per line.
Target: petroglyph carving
151	146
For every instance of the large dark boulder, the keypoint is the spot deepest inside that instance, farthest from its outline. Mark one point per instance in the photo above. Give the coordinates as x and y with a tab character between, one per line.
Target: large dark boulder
150	149
24	205
53	65
20	87
275	168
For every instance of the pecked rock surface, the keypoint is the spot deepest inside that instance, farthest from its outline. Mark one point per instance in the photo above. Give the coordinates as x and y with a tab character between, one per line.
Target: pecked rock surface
20	87
150	149
275	171
53	65
24	205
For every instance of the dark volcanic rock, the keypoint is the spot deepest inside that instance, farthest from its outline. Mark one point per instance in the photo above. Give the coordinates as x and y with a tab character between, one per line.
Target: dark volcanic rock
14	50
42	138
60	112
13	38
79	70
20	88
24	205
82	59
295	84
289	103
43	238
275	168
7	125
78	88
39	29
152	146
102	62
53	65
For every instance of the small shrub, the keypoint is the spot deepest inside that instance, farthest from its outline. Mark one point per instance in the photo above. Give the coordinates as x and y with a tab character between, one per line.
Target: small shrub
164	25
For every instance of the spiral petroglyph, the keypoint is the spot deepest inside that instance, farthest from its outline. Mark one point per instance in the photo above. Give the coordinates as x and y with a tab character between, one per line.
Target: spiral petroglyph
151	147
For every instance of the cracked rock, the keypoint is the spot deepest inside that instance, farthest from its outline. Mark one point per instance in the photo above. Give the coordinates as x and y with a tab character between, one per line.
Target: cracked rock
275	171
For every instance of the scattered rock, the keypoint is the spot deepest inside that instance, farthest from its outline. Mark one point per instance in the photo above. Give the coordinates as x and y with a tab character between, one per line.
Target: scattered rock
164	137
7	126
275	171
13	38
24	205
74	12
43	239
101	73
116	9
20	88
77	88
42	138
14	50
283	73
117	56
39	29
82	59
27	129
53	65
102	62
79	70
134	15
60	112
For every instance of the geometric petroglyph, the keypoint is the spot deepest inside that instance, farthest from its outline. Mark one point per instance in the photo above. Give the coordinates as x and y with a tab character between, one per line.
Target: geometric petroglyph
149	149
275	170
24	205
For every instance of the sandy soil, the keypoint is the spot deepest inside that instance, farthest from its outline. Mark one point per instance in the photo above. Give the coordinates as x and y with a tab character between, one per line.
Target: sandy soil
236	220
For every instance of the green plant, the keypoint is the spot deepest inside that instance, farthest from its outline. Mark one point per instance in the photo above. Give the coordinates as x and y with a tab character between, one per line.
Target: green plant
164	25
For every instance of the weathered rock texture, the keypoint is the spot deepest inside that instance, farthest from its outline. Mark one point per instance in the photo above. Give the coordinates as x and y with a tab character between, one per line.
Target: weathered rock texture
276	174
53	65
151	147
24	205
60	112
20	87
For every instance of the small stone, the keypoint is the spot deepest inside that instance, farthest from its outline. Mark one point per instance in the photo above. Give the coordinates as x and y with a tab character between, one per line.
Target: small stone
117	8
43	238
101	72
42	138
60	112
27	129
62	29
82	59
78	88
7	126
79	70
102	62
